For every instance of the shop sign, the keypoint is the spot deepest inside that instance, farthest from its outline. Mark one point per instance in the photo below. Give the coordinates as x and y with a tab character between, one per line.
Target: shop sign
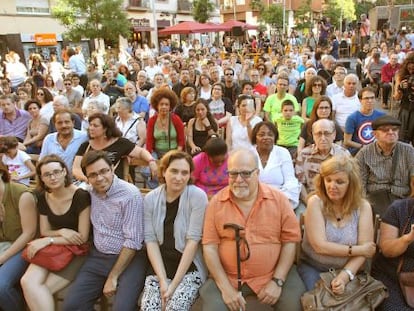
43	39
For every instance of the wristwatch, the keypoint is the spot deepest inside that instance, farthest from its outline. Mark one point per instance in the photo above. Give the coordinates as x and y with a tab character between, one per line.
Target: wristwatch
350	274
279	282
51	240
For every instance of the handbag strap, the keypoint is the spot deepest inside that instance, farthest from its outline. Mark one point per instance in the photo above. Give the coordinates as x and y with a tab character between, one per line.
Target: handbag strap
394	164
400	264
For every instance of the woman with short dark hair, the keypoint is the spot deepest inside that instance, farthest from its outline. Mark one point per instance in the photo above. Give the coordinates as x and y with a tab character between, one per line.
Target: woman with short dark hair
173	222
210	173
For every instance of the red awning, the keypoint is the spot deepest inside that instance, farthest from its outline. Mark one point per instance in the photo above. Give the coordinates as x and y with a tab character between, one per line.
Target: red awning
190	27
228	26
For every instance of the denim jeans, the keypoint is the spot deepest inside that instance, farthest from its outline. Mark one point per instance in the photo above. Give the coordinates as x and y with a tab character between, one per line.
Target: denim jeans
309	275
11	297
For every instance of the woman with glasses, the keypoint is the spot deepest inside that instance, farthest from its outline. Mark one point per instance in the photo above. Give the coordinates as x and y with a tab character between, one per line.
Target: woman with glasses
64	220
315	89
322	109
275	163
338	226
221	107
200	127
37	128
300	91
173	222
104	135
18	216
210	173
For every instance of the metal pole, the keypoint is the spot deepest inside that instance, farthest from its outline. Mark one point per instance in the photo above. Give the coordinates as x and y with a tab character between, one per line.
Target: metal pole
284	16
154	17
234	10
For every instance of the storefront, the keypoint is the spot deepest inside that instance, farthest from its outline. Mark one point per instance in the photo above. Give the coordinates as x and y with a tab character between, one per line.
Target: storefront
141	31
43	44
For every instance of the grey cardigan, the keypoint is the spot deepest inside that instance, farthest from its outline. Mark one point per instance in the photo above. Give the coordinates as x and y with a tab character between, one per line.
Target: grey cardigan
188	223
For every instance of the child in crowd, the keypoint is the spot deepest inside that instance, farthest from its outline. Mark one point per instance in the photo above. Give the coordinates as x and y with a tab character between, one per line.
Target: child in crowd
18	162
289	125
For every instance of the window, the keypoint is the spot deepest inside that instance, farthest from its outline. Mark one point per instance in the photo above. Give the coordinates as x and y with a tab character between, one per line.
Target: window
32	6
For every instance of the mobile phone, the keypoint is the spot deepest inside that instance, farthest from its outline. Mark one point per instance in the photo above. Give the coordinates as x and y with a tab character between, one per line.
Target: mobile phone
250	105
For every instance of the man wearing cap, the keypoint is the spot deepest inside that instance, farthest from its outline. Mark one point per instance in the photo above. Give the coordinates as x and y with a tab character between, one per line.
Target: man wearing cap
387	165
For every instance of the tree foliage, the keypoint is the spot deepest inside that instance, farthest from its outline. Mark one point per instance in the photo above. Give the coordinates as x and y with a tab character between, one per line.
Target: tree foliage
105	19
336	8
202	10
303	15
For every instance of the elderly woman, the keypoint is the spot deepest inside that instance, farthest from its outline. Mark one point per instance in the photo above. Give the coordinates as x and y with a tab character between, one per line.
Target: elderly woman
210	173
94	106
165	130
132	125
396	243
18	227
173	221
300	92
275	163
64	220
338	225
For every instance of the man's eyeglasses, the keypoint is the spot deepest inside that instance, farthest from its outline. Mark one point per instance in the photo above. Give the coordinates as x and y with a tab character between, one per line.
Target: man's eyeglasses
243	174
101	172
228	74
54	173
320	134
68	84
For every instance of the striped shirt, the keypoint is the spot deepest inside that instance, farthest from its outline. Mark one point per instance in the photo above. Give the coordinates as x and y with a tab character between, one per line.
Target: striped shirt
117	218
309	162
377	172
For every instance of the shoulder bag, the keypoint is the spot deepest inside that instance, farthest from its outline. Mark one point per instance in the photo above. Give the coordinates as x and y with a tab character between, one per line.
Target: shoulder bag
406	279
362	293
55	257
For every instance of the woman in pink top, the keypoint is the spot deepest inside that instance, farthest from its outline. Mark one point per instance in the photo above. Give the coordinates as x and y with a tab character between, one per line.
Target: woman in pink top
210	173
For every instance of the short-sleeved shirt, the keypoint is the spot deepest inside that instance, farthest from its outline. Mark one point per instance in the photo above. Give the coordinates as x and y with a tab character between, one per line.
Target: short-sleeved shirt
344	106
309	162
17	166
17	127
70	220
116	151
289	130
359	126
273	104
271	223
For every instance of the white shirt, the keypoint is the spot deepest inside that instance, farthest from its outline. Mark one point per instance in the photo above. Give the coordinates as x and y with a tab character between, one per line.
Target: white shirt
102	98
47	111
344	106
17	166
333	89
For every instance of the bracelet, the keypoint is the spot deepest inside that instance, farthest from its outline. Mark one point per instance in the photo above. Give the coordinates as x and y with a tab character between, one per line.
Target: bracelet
350	274
350	250
51	240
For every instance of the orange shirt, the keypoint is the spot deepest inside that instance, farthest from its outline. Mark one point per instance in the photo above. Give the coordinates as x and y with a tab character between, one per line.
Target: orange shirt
270	223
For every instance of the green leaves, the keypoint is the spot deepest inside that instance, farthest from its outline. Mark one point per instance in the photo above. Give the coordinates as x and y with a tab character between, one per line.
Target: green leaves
104	19
202	10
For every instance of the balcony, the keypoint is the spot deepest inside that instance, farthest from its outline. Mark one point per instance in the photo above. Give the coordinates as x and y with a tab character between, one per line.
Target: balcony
138	5
184	6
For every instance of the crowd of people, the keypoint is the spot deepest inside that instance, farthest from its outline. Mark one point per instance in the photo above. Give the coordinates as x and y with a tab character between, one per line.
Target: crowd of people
235	150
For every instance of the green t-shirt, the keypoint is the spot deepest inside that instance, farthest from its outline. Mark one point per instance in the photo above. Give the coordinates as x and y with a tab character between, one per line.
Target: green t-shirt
289	130
273	104
161	139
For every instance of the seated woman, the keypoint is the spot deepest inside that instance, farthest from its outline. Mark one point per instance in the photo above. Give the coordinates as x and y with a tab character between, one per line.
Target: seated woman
221	107
64	219
36	129
396	244
322	109
173	222
200	127
104	135
210	173
338	225
185	108
239	128
275	163
18	227
165	129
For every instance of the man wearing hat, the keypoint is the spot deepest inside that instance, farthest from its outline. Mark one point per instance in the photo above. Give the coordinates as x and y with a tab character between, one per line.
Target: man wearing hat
387	165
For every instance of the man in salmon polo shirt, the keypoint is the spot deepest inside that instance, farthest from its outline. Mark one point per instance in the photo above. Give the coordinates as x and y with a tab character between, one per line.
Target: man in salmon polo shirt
270	230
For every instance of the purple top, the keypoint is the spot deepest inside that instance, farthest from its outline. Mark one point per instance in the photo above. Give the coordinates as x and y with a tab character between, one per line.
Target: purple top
17	127
208	177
